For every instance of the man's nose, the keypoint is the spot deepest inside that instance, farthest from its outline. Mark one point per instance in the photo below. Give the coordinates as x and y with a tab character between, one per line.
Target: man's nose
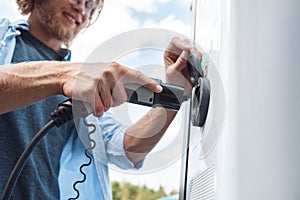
80	6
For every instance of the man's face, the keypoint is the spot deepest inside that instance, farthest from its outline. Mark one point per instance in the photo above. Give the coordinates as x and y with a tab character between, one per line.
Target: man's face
61	19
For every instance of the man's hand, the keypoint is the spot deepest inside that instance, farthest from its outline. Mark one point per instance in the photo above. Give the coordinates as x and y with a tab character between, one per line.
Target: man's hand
175	58
102	85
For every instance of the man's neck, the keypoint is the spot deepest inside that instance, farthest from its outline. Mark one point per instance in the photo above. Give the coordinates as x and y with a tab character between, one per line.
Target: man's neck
36	29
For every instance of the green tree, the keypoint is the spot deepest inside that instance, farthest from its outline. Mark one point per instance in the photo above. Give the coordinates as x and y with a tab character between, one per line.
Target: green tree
173	192
127	191
116	190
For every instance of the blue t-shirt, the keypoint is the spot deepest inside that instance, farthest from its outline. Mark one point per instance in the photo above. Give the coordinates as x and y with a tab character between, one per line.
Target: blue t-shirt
17	128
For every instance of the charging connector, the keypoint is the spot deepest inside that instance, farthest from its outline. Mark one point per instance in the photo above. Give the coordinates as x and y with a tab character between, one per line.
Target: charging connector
171	96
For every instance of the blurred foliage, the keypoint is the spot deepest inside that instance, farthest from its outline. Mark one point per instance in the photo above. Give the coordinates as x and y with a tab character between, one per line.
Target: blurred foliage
127	191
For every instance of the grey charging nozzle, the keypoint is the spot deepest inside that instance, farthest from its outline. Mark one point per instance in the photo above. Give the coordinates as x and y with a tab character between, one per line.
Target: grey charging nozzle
171	96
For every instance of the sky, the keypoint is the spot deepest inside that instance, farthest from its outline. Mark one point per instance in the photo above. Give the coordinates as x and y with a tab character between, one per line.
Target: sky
120	16
117	17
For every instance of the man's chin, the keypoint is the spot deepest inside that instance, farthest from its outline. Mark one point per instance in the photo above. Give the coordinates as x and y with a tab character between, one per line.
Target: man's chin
65	36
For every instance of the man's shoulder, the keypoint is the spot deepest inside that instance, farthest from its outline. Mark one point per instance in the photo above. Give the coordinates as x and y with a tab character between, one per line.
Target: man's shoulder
5	23
8	31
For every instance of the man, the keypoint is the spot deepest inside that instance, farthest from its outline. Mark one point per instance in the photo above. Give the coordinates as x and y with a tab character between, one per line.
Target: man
36	82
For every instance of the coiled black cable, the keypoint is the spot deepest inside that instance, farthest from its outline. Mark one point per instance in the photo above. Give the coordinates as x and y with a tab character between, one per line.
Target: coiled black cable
88	156
60	116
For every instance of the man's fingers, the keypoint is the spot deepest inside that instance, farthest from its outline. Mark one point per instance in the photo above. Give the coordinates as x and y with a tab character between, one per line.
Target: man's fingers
98	106
143	80
119	95
178	44
150	83
180	63
105	94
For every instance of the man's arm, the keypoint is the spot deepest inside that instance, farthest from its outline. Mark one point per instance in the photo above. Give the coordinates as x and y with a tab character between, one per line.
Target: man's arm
142	136
26	83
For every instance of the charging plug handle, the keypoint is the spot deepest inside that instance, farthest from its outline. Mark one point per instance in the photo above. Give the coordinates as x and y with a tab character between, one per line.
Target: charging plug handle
171	96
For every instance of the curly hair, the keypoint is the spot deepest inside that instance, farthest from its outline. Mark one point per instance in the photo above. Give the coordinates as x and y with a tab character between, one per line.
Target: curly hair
26	6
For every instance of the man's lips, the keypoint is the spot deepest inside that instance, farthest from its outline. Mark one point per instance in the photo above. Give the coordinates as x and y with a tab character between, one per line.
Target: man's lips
72	18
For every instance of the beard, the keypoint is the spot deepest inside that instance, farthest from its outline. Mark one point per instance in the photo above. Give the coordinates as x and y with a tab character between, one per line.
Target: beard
52	25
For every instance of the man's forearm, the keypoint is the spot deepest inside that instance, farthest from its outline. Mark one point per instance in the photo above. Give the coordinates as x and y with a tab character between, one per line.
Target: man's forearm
141	138
26	83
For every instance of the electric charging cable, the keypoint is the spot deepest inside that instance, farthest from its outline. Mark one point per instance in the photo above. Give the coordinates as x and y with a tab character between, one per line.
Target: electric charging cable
93	144
60	116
